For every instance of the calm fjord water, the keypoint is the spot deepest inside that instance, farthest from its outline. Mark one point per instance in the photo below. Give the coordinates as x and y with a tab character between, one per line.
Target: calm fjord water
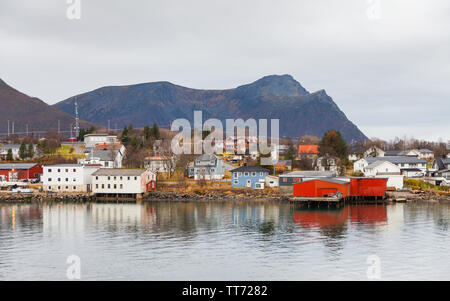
224	241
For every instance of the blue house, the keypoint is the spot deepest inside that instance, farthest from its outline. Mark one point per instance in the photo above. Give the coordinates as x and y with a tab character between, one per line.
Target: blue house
249	176
207	167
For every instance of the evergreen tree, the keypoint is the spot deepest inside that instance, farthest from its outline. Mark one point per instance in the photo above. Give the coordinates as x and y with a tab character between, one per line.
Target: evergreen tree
9	155
23	151
30	152
290	152
147	132
124	136
155	131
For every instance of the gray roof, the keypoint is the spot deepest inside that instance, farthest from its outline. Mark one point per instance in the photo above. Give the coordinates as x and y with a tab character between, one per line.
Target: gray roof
4	166
397	160
332	180
424	150
118	172
377	163
64	165
206	160
103	155
10	146
442	162
309	173
250	169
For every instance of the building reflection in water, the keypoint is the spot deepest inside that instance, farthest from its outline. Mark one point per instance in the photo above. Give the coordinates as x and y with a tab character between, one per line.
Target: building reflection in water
20	216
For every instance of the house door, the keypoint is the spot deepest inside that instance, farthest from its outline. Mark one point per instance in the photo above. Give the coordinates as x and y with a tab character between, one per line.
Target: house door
249	183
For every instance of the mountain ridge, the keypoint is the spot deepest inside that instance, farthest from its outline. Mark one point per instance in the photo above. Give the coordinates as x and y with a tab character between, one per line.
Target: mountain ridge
274	96
31	112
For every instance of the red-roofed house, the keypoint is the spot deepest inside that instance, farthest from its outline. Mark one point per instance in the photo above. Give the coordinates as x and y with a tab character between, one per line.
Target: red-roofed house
309	151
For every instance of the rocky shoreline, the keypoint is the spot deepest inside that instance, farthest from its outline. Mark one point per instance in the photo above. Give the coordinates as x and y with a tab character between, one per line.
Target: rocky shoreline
207	197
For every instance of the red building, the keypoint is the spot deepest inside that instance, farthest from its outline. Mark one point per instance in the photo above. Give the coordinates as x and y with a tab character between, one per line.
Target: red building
356	187
20	171
322	188
368	187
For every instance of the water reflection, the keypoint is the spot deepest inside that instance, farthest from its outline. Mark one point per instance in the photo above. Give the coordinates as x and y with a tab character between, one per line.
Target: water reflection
256	239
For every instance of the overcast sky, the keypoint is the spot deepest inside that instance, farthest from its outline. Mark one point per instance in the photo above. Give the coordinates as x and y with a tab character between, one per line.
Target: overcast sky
386	63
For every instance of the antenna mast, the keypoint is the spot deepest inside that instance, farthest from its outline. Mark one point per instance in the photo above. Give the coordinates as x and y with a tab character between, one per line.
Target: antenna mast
77	125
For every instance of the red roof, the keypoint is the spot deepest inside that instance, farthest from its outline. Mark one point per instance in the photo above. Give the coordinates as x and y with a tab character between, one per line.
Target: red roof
308	149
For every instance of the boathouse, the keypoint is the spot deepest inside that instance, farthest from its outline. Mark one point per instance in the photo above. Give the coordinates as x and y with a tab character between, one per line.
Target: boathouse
325	187
343	188
20	171
368	187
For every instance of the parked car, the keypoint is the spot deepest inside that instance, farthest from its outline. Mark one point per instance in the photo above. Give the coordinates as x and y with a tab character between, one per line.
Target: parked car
34	181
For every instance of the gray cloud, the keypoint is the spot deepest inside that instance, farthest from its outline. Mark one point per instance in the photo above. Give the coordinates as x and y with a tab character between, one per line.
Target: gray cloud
390	76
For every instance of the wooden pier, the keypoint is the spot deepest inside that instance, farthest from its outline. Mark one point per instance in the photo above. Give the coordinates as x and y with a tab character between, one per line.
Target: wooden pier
317	201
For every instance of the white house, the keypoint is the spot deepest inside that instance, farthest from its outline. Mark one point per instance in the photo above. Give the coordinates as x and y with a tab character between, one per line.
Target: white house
91	140
111	157
271	181
406	164
326	163
424	153
122	182
385	169
160	163
67	177
378	167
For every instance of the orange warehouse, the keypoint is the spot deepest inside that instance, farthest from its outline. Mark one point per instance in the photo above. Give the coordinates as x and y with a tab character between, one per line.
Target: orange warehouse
322	188
368	187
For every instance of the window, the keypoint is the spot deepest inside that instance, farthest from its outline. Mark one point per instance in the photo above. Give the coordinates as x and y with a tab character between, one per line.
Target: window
67	187
236	182
284	180
67	170
96	185
120	178
74	170
245	174
115	186
59	179
128	178
109	178
253	174
239	174
121	186
261	174
103	186
74	179
49	179
49	187
135	178
59	170
74	187
59	187
235	175
96	178
106	164
115	178
109	186
67	179
49	170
